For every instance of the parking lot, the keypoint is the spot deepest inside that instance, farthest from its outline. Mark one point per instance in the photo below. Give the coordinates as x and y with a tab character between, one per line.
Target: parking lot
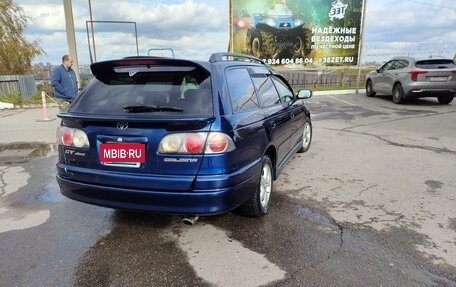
372	203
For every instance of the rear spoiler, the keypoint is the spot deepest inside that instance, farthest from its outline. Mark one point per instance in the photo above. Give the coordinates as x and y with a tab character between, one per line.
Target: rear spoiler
129	119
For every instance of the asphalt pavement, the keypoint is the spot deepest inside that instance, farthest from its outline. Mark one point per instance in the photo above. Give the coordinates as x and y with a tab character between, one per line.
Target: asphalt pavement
28	125
372	203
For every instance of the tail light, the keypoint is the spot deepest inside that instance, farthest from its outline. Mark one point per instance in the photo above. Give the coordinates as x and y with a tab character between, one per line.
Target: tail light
414	74
193	143
217	142
196	143
72	137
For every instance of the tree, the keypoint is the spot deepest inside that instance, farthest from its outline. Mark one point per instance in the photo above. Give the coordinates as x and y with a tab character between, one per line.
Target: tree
16	53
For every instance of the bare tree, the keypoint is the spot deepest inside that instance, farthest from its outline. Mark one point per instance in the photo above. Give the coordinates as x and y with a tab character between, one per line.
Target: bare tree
16	53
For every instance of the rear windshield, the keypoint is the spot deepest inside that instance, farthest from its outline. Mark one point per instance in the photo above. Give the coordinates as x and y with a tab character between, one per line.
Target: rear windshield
179	92
436	64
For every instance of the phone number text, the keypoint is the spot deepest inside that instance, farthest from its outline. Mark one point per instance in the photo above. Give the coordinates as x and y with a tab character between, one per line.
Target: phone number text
288	61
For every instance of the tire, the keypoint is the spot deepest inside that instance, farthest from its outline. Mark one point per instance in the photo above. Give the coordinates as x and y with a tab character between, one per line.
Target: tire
298	47
268	48
306	137
445	100
398	94
255	45
258	204
369	90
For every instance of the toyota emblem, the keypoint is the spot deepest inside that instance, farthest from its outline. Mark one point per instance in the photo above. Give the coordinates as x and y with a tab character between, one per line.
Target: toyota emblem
122	126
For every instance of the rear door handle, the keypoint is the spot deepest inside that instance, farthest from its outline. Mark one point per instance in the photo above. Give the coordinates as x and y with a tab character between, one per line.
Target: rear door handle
273	125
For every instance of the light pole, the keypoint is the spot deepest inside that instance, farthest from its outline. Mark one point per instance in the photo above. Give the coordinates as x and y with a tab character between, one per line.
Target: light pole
71	37
93	35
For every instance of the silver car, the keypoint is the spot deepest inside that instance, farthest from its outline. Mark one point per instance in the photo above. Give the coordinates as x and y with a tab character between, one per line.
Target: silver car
408	77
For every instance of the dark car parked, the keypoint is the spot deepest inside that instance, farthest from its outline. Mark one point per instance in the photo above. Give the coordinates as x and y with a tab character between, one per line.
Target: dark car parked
181	137
407	77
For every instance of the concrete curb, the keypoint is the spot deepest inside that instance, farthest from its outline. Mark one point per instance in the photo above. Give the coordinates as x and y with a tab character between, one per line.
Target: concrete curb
336	92
6	106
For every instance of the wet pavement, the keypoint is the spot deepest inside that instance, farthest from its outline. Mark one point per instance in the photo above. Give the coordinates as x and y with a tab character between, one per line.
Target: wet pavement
372	203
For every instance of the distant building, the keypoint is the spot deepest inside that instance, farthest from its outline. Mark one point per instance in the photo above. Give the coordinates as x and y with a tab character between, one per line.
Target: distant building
43	72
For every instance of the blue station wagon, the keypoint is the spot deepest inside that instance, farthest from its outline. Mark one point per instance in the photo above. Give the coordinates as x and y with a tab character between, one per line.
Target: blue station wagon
181	137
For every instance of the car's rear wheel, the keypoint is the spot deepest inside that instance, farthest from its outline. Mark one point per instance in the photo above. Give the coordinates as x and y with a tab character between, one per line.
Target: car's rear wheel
445	100
258	204
369	90
306	137
398	94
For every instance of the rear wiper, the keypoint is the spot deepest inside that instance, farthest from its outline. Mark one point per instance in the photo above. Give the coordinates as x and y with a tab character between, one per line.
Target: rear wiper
146	109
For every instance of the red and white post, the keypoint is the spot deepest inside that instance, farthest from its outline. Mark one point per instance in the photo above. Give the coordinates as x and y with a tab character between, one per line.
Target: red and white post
45	112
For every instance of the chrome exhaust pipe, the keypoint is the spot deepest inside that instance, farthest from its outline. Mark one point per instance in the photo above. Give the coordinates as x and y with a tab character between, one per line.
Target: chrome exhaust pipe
190	219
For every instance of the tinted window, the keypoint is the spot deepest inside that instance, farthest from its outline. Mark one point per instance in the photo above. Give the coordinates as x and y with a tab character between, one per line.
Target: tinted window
399	64
436	64
387	66
187	90
266	91
242	92
284	92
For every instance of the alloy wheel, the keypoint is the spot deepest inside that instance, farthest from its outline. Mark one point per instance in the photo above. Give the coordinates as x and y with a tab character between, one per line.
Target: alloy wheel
265	185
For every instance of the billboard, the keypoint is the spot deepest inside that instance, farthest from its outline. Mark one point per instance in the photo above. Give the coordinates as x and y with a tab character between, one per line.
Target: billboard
297	33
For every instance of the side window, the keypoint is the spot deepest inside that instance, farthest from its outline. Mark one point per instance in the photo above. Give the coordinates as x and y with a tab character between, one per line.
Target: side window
242	92
394	65
403	64
387	66
286	95
398	64
267	93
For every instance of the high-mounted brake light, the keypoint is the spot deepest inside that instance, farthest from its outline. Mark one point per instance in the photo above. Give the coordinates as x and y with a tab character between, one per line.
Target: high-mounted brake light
71	137
414	74
138	62
196	143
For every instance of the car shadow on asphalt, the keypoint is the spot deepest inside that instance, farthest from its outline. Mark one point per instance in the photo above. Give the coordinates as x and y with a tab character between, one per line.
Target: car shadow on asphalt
410	102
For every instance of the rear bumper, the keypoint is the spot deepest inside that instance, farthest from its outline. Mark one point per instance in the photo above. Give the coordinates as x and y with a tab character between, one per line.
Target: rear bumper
195	202
422	93
435	89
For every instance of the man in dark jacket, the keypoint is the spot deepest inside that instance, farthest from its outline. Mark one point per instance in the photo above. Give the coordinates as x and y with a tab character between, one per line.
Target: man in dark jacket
65	83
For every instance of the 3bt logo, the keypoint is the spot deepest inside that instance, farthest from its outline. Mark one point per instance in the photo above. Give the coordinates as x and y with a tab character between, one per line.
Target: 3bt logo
337	10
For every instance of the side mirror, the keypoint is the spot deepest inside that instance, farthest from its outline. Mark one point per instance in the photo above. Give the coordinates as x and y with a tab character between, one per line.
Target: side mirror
304	94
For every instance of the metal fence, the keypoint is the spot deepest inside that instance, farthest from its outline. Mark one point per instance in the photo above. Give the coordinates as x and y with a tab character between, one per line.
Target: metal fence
24	85
319	78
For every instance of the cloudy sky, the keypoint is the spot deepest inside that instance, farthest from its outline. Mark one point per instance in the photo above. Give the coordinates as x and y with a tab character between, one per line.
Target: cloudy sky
196	28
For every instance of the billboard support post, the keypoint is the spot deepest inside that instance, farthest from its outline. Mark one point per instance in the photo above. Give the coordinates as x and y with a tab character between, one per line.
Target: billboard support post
361	44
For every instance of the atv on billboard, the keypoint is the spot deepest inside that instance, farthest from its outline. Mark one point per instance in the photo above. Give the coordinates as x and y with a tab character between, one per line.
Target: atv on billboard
298	33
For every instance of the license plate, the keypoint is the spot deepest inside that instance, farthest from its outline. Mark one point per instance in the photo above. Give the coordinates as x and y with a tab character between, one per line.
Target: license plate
438	79
124	153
